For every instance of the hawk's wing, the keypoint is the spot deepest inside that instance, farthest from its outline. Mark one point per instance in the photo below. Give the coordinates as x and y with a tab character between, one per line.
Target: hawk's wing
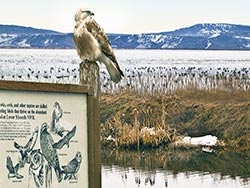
65	140
98	33
27	147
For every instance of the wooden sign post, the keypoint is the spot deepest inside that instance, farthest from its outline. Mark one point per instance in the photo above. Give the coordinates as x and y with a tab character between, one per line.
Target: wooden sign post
89	76
49	134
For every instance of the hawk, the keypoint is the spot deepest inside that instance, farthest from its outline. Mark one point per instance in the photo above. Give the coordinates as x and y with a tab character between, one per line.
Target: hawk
92	43
49	152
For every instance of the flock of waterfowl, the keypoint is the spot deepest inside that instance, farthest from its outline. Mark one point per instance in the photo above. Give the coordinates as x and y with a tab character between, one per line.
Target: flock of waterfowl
149	72
168	79
145	79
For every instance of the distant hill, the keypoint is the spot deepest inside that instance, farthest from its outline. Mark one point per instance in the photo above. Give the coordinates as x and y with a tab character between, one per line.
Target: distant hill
199	36
21	30
12	36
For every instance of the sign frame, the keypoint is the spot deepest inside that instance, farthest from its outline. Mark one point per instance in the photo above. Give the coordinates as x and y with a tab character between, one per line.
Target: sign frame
94	168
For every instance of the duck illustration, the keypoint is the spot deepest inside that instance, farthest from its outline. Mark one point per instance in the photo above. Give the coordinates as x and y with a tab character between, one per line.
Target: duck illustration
73	167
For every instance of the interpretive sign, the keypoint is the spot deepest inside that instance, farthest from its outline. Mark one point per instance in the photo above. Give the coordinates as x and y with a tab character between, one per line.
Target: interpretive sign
44	135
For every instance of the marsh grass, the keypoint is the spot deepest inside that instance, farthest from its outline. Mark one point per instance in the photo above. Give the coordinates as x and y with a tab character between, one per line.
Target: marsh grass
137	121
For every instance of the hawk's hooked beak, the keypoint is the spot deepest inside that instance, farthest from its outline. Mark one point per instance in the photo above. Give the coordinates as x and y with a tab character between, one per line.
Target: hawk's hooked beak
91	13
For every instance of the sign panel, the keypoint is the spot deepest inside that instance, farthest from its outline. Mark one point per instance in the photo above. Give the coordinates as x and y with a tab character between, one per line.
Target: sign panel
43	139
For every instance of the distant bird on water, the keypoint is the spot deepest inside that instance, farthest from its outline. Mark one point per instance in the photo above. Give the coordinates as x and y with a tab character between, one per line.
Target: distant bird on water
92	43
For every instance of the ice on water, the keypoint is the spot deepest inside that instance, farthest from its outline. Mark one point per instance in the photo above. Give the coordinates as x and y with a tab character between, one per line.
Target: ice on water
145	70
56	66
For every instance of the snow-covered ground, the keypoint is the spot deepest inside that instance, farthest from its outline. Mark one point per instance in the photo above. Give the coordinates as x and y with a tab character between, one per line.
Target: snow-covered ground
145	70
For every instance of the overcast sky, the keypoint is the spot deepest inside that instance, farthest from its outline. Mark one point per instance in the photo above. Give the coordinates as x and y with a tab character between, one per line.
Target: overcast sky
125	16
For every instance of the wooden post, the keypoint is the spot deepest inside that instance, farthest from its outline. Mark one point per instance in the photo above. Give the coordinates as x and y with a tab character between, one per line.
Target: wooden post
89	76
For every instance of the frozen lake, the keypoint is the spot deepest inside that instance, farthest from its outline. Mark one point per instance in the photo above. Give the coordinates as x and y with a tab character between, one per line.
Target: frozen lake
150	71
127	58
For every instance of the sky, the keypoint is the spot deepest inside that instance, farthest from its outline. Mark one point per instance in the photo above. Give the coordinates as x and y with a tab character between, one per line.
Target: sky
125	16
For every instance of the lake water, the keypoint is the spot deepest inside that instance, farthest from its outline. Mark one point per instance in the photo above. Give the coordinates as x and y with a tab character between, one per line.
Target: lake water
175	169
150	71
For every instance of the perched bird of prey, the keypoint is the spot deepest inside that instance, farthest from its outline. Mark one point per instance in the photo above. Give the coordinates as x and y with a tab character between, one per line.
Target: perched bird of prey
56	116
73	167
92	43
48	151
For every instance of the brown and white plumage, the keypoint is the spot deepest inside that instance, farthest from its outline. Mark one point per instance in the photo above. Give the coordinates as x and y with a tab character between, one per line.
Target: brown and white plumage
92	43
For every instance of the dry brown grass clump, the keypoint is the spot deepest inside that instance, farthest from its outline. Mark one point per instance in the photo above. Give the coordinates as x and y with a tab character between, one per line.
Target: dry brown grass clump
136	125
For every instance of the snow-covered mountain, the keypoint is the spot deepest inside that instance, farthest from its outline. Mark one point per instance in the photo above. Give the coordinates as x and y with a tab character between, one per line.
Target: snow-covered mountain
199	36
12	36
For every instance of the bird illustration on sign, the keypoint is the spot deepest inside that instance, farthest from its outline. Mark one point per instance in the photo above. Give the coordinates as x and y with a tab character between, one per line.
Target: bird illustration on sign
72	168
44	160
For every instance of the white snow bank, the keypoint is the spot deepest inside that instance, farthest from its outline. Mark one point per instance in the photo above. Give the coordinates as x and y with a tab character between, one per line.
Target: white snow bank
207	140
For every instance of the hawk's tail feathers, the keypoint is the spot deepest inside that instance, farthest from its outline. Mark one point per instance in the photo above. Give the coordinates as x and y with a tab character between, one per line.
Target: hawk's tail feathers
113	68
114	72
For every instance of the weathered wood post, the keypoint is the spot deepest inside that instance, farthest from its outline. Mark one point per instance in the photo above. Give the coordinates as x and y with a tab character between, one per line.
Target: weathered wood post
89	76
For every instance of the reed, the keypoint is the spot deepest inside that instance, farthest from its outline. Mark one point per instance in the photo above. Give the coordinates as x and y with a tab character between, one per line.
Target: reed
166	80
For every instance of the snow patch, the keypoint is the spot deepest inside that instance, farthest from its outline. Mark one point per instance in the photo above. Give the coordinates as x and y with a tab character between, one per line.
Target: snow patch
116	38
215	35
157	38
172	44
46	42
23	43
207	140
246	45
241	37
208	45
5	37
